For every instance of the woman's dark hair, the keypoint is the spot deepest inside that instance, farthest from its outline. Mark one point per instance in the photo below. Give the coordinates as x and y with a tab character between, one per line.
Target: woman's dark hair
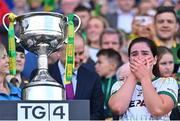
19	48
161	50
150	44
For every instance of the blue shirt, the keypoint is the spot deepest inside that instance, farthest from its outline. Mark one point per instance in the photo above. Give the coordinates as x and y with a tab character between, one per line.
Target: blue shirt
15	93
30	64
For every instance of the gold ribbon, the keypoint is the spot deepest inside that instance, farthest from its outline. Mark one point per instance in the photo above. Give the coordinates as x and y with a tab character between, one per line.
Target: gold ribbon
12	45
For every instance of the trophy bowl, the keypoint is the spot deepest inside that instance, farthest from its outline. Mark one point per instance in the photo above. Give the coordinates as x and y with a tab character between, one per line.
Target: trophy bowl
42	33
42	28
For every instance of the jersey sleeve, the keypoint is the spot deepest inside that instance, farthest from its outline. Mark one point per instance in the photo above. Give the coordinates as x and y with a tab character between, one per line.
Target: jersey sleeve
116	86
169	87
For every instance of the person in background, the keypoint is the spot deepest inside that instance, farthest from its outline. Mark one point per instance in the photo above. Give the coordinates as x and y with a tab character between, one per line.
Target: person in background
7	90
84	13
95	27
68	6
29	67
20	7
35	5
106	66
165	68
123	72
165	62
111	38
18	80
122	18
154	3
101	7
166	27
143	96
86	83
145	7
142	26
177	9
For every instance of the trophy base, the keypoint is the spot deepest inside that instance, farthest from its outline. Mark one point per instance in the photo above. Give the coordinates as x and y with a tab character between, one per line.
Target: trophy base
43	90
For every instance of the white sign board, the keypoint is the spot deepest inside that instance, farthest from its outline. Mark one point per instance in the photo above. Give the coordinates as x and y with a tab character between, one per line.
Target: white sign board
43	111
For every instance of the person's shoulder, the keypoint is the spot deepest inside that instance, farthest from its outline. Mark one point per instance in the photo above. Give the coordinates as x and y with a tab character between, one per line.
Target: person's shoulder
53	65
87	67
165	81
116	86
88	70
171	80
14	89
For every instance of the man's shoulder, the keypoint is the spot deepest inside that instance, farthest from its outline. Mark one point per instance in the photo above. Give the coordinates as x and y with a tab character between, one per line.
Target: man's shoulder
54	65
88	67
88	70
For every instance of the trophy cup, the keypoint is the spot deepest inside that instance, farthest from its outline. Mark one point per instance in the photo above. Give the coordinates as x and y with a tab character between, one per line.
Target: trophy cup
42	33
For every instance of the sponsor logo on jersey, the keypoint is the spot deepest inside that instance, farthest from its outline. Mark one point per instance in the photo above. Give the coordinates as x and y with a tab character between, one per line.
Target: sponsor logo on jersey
136	103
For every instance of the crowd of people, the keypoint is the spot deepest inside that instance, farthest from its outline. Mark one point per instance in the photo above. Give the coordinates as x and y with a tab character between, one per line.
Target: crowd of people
127	56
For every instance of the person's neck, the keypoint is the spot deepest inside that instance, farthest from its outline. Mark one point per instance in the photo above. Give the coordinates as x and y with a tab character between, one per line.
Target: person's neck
1	83
18	77
95	44
2	78
3	86
110	74
166	42
18	74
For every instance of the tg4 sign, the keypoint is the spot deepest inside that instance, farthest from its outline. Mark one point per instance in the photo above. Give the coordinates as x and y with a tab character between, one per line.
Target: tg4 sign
43	111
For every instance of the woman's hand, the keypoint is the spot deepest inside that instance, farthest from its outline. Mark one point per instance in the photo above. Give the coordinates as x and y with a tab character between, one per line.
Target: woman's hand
141	68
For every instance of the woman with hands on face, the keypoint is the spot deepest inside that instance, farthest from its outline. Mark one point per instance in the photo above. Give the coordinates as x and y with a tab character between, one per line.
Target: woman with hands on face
142	96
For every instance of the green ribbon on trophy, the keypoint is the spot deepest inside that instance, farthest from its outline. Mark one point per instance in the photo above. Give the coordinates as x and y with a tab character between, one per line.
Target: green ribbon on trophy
69	67
12	45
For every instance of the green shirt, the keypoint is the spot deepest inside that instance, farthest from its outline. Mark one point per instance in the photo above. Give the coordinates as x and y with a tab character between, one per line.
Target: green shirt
107	84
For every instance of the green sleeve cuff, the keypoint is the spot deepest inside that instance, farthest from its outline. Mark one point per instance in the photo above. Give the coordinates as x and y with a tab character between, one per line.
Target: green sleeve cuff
171	95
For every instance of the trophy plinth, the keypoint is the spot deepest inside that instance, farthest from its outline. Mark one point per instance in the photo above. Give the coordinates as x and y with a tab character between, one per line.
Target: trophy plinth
42	33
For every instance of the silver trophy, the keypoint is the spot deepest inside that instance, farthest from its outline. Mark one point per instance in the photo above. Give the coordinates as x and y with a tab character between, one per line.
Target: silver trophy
42	33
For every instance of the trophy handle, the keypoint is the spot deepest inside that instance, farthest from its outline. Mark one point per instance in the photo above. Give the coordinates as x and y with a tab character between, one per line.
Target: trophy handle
79	24
4	24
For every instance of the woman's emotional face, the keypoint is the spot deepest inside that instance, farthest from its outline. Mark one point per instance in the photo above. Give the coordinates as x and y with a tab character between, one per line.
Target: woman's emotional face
141	51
